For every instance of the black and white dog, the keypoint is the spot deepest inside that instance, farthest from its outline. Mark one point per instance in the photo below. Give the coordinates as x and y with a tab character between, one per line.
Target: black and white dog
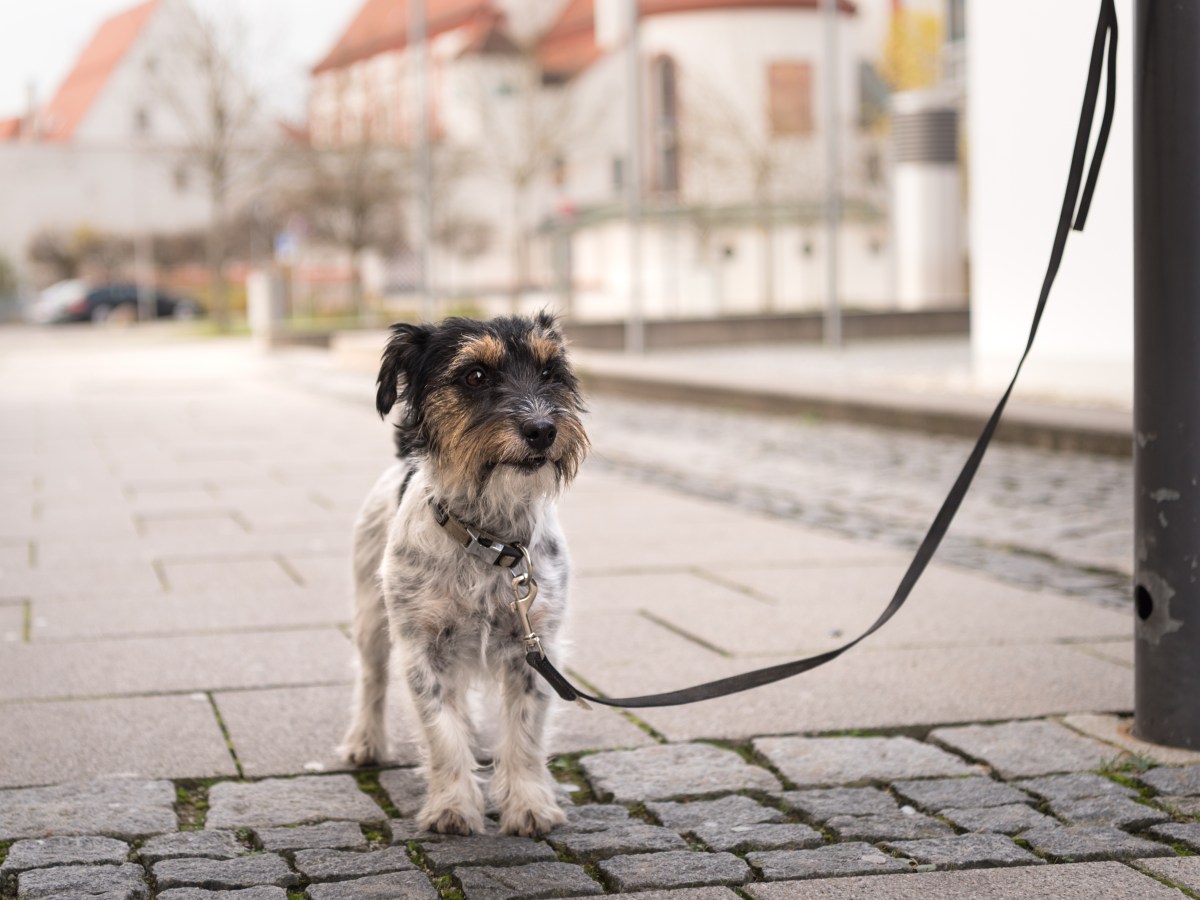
489	434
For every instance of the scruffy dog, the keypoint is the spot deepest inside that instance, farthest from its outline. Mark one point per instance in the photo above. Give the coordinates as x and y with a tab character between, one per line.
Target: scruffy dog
489	434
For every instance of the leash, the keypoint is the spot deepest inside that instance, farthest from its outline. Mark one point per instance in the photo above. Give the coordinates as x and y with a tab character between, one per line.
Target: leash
1074	199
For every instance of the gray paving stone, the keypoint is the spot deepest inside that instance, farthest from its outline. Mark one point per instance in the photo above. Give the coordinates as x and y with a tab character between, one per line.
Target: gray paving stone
1022	749
702	893
1011	819
124	880
1081	881
1189	807
393	886
254	893
825	803
677	868
673	770
534	881
63	851
1082	843
732	810
225	874
114	807
405	830
1115	812
342	865
1185	781
1185	833
835	860
288	801
758	836
960	793
191	844
632	837
1079	786
893	826
846	760
405	788
325	836
485	850
1182	870
966	851
596	817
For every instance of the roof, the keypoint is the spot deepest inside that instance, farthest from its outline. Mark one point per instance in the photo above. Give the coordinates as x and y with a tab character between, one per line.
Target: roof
95	64
382	25
569	45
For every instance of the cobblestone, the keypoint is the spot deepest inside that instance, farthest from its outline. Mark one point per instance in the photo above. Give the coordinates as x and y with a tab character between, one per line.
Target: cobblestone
393	886
255	893
123	881
225	874
635	837
597	817
894	826
1185	781
824	803
405	788
63	851
184	844
1185	833
966	851
341	865
1016	749
485	850
534	881
325	836
729	811
116	807
962	793
761	836
1115	812
846	760
1082	843
1010	820
673	770
826	862
674	869
1080	786
288	801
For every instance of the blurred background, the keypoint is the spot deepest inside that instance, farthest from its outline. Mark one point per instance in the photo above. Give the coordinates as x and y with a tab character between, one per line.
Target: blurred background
706	172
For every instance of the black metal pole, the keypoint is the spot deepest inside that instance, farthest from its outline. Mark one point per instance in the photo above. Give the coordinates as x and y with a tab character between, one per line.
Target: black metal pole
1166	260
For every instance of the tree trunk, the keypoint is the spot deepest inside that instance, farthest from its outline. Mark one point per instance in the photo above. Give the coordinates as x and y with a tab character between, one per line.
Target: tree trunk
215	251
767	229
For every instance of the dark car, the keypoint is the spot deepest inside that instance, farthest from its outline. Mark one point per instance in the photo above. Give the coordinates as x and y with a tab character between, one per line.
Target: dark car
119	302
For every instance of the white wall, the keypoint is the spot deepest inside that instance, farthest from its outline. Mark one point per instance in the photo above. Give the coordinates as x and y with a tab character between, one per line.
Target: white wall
1027	66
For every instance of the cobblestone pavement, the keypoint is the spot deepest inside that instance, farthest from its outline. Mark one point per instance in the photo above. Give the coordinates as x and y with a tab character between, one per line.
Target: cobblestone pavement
722	819
1036	518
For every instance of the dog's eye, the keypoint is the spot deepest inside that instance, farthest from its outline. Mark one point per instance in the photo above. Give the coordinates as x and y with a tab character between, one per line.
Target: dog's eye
475	378
550	372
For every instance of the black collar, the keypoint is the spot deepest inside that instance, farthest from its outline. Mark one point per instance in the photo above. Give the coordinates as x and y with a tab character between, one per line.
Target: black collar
476	541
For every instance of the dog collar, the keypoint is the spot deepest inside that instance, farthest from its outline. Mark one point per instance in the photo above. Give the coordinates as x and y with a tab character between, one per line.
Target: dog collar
475	541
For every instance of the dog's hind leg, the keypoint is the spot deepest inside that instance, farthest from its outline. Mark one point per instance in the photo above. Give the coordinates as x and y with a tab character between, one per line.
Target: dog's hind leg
365	743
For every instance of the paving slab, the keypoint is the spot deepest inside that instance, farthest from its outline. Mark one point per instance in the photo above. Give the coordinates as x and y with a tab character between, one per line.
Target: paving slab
125	808
704	893
485	850
728	811
1010	820
1115	812
405	788
534	881
1183	871
325	836
191	845
1070	882
835	860
409	885
1186	834
1185	807
254	893
225	874
822	804
677	868
288	801
12	622
63	851
340	865
123	881
890	826
1022	749
1081	843
847	760
1079	786
573	730
264	573
670	771
966	851
631	837
1175	782
759	836
962	793
1118	730
43	743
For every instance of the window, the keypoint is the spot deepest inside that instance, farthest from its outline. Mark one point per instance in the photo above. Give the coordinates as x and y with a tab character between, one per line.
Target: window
789	98
665	136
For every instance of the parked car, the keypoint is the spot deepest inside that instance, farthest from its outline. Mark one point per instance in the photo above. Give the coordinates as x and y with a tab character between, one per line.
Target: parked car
73	301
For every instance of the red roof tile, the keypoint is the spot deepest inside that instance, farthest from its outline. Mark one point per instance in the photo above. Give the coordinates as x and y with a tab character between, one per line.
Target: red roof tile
382	25
569	45
108	46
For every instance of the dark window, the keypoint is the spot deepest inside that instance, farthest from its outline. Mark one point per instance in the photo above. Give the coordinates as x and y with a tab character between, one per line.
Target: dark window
618	174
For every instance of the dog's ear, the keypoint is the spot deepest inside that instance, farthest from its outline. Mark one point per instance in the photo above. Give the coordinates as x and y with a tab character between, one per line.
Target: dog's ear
546	321
404	348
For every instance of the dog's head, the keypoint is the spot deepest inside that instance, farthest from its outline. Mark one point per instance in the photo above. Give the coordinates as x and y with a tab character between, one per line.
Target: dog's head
486	401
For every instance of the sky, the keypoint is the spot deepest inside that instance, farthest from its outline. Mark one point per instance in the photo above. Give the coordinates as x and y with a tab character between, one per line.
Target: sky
40	39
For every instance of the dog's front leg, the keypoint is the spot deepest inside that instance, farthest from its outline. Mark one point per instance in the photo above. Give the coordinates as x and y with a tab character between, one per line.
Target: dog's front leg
453	800
522	786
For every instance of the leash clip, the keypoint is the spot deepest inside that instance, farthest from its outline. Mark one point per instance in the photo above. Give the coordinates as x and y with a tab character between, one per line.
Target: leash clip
520	605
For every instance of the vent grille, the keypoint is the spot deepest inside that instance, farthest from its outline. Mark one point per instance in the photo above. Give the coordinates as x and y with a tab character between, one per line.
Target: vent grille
929	136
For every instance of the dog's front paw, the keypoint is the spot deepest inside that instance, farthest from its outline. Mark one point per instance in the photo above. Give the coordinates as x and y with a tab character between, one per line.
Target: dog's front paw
361	749
531	822
451	821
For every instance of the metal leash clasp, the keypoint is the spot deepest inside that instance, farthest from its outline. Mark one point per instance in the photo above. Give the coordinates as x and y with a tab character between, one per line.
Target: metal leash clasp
521	604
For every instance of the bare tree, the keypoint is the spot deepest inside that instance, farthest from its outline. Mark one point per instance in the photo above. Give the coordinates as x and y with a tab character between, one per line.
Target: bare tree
83	251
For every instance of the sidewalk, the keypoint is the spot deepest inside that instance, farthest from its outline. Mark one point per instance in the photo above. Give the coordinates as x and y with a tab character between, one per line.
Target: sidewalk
175	671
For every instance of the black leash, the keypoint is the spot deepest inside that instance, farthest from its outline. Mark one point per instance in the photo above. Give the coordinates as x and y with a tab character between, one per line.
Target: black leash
1106	32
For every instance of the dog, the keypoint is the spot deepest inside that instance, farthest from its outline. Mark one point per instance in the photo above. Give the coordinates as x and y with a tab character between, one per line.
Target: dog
489	434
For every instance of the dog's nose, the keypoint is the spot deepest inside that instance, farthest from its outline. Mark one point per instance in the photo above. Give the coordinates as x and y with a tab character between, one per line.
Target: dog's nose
539	433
